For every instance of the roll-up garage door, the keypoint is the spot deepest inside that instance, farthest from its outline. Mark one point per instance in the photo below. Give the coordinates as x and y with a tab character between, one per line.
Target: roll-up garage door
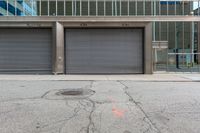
104	51
25	51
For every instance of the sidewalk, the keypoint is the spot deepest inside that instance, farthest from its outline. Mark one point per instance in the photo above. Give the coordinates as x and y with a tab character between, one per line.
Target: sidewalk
154	77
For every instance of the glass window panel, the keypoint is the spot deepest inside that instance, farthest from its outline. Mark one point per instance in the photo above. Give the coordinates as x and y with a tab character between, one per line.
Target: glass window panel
179	8
163	7
196	43
148	9
164	31
27	5
109	8
186	8
140	8
114	8
132	8
34	7
92	8
187	34
199	9
157	38
124	8
68	8
171	9
60	9
77	8
44	7
195	7
84	8
20	8
3	8
100	8
38	4
118	8
155	9
196	36
179	35
11	7
52	8
171	35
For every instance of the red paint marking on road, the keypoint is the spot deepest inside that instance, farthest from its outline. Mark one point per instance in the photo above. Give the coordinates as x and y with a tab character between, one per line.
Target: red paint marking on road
116	111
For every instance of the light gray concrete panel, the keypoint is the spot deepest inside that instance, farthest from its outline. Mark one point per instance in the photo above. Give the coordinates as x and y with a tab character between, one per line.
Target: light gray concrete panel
58	48
148	61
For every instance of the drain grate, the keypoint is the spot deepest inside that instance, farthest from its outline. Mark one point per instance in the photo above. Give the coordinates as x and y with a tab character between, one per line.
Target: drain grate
70	93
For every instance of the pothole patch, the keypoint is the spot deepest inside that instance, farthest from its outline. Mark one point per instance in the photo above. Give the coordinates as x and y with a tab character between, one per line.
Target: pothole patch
69	93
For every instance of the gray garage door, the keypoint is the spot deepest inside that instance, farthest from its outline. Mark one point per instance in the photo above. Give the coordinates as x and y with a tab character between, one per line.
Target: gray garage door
104	51
25	51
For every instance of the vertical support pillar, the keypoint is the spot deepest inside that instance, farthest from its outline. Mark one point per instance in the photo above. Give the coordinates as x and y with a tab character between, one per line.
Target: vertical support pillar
198	42
58	48
148	62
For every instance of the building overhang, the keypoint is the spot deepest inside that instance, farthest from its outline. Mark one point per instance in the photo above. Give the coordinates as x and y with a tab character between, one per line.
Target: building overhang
99	19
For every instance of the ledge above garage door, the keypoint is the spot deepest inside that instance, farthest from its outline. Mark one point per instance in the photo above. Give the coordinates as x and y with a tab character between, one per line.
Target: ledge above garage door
104	51
25	51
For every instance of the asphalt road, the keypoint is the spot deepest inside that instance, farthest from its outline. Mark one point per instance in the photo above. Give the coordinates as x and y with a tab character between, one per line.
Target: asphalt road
99	107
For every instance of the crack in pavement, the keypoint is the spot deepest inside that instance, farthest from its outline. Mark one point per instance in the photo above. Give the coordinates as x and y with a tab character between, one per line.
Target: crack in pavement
62	121
76	110
90	116
149	125
91	126
91	123
43	96
20	99
146	118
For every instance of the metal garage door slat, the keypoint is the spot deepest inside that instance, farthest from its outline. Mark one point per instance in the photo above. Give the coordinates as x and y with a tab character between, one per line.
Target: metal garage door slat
25	51
104	51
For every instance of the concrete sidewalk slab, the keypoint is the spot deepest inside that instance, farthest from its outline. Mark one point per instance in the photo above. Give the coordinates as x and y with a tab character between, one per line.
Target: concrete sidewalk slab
193	77
153	77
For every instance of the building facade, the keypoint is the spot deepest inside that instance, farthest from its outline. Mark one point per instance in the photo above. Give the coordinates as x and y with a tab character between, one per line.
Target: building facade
98	36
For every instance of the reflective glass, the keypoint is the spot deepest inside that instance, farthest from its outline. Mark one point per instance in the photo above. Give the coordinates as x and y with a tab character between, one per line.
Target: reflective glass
27	7
100	8
60	8
52	8
148	8
132	8
11	8
109	8
93	8
84	8
124	8
3	7
140	8
68	8
44	7
20	8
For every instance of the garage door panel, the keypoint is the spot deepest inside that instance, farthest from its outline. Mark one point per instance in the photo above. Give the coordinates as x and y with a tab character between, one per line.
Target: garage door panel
25	50
104	50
